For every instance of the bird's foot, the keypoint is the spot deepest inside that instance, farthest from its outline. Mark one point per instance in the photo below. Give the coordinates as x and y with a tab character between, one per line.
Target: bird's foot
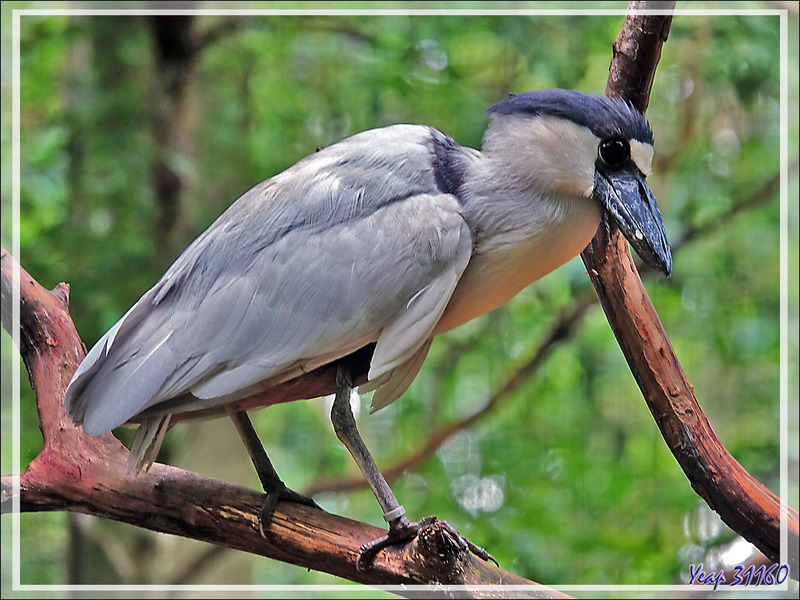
402	530
273	497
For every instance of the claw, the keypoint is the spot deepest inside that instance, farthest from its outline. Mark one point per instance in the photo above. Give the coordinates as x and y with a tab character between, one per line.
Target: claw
273	497
468	545
367	552
402	530
275	488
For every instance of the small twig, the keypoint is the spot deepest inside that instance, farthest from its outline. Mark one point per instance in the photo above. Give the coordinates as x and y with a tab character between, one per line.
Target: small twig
768	190
199	564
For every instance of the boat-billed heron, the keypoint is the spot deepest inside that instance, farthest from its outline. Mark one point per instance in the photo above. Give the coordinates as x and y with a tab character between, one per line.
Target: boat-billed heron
358	256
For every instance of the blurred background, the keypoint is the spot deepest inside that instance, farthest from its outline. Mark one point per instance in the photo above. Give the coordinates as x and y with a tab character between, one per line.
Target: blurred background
138	131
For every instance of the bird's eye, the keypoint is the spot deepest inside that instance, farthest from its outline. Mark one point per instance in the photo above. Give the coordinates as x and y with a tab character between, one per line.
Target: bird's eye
613	152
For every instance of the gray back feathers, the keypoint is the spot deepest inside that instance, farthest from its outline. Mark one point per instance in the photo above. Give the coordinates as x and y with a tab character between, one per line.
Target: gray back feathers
285	281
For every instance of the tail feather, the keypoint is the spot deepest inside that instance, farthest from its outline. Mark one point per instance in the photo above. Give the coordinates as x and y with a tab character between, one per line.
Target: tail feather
79	398
147	444
399	379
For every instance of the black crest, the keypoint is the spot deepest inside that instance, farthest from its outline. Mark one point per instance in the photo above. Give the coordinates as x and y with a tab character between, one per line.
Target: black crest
605	117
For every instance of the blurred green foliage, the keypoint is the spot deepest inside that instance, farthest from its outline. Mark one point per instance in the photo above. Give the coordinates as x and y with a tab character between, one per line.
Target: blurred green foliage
566	481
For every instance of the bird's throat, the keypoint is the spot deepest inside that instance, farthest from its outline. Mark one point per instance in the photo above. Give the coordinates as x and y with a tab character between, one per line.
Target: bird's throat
498	271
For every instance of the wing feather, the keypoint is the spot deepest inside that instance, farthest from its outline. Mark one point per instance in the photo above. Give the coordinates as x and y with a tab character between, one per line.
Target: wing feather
396	382
353	245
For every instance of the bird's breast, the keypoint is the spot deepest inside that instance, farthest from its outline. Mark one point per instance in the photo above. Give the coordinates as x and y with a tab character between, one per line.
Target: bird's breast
499	271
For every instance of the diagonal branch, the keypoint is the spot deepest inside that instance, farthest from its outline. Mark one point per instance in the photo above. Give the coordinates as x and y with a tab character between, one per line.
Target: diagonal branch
742	502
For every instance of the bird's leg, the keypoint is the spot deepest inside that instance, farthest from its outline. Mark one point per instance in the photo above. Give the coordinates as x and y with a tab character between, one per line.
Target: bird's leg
273	485
344	424
400	528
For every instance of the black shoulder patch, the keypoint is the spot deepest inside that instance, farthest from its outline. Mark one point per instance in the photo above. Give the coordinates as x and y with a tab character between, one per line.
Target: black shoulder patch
605	117
448	168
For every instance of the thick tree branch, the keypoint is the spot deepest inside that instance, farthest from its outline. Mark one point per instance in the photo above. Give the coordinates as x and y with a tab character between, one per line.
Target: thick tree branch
742	502
80	473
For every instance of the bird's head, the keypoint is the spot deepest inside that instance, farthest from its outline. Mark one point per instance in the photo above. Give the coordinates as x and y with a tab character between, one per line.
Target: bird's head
592	146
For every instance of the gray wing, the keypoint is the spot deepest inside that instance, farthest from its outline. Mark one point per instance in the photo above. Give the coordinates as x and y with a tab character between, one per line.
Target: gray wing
352	245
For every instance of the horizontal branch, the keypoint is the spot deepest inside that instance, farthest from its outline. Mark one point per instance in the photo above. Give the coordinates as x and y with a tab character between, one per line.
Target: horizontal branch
174	501
81	473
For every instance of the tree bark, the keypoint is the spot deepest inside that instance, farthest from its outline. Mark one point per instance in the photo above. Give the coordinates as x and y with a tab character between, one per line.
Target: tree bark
81	473
743	503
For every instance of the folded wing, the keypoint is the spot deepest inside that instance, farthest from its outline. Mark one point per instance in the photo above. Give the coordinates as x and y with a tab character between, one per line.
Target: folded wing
353	245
